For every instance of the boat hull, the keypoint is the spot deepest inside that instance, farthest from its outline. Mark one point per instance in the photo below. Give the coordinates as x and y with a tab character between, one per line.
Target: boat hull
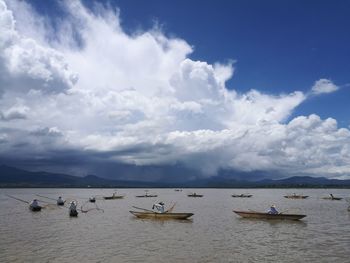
242	196
162	216
35	208
296	196
92	200
195	195
144	196
332	198
73	213
260	215
113	197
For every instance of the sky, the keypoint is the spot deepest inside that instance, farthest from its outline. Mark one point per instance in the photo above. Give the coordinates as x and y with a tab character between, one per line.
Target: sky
248	86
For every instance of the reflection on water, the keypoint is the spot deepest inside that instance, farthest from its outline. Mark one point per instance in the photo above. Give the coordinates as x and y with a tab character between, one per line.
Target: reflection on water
214	234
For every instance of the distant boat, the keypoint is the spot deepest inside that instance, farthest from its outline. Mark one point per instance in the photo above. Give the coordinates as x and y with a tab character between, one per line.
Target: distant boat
114	196
154	215
332	198
194	195
92	199
295	196
262	215
242	195
178	190
35	208
147	195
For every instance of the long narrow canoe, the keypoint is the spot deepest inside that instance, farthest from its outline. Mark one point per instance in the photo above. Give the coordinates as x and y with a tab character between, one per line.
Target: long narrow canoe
262	215
153	215
35	208
242	196
113	197
194	195
296	196
146	195
332	198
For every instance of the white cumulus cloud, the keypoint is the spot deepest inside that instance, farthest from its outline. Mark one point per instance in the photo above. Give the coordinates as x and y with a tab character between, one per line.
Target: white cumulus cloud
324	86
93	90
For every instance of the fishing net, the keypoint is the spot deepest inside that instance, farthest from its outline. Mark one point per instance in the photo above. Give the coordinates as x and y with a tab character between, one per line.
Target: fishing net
88	207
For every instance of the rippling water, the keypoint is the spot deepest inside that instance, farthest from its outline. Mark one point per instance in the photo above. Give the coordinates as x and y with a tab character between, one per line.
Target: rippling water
215	234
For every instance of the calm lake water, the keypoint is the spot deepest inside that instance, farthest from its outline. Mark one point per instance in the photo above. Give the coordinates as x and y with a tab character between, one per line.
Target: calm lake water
215	233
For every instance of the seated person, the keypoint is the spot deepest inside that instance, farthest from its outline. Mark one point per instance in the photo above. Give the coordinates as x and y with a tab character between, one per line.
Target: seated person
272	210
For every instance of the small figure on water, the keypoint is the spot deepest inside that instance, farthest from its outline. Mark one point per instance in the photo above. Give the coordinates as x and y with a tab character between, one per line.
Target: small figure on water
273	210
73	209
332	197
34	204
60	201
160	207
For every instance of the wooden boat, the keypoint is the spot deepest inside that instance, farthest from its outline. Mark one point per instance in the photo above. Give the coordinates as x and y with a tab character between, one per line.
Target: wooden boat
332	198
146	195
242	195
295	196
35	208
154	215
114	196
73	213
194	195
263	215
92	199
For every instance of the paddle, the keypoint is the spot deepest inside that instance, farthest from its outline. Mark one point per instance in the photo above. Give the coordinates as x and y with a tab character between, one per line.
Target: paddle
143	209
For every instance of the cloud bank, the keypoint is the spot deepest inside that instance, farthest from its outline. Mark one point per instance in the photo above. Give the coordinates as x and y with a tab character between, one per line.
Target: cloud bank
89	88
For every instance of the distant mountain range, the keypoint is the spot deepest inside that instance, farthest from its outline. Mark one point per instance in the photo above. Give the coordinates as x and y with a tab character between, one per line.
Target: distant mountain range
14	177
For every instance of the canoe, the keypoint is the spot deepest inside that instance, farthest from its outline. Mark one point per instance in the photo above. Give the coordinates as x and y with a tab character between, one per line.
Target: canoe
242	195
35	208
296	196
194	195
154	215
146	195
113	197
262	215
332	198
73	213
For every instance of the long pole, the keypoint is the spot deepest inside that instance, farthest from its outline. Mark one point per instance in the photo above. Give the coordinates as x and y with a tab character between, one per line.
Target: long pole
18	199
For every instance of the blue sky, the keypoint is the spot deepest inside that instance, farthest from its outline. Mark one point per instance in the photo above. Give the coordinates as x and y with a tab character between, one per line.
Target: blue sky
278	46
242	85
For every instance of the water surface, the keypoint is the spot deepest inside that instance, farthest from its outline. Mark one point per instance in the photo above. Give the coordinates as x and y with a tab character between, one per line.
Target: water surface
215	234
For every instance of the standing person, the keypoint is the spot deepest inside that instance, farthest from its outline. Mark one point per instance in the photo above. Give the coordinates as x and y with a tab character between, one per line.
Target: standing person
60	201
272	210
160	207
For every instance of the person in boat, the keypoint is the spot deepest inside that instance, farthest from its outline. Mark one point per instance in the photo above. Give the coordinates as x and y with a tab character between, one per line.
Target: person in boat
73	207
159	207
332	197
34	203
273	210
60	201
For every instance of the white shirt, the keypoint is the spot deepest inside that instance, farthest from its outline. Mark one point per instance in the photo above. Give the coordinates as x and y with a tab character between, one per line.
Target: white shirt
34	203
160	208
